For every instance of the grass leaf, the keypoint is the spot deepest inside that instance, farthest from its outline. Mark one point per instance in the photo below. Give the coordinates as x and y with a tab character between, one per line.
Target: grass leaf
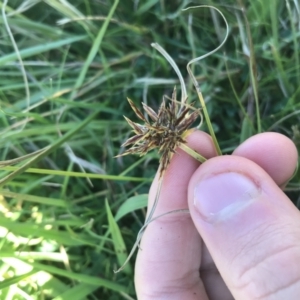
117	238
131	204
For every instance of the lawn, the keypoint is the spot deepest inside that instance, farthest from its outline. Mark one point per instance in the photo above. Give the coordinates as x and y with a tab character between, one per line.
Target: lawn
69	210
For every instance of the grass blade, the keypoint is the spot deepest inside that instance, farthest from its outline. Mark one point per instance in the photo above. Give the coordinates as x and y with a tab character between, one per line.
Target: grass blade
117	238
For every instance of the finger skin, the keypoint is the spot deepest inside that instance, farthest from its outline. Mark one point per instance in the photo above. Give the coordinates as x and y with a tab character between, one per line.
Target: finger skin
255	248
277	155
171	255
272	151
167	267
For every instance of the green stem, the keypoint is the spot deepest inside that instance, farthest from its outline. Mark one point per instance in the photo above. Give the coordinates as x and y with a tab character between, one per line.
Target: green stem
209	125
193	153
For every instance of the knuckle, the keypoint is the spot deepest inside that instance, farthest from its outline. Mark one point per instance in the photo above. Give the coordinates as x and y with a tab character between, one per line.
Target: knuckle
265	265
171	289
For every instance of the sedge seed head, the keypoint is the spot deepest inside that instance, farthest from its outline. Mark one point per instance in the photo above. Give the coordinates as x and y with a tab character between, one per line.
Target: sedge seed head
164	132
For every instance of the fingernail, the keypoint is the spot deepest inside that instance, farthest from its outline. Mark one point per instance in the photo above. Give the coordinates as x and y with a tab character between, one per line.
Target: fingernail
220	196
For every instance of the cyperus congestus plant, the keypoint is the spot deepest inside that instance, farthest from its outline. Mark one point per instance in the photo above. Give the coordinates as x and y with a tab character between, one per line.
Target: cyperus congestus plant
169	127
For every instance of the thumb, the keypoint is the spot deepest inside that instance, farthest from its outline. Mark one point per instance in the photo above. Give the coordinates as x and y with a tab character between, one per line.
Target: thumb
250	227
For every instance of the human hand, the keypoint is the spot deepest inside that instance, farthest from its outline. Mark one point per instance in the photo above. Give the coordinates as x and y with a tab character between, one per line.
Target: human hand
241	239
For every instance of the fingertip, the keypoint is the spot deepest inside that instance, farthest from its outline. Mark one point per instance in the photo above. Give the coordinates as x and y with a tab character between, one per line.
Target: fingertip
182	162
272	151
180	170
202	142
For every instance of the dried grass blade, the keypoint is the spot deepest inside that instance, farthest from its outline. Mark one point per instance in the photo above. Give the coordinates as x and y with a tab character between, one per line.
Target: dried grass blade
164	53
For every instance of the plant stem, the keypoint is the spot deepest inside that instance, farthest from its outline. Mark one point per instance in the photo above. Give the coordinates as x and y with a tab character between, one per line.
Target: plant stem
209	125
192	153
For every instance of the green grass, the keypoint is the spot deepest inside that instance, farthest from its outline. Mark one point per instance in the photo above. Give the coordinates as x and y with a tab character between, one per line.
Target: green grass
71	212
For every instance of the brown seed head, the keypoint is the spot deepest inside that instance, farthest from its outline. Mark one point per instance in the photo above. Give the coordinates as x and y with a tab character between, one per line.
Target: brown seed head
165	132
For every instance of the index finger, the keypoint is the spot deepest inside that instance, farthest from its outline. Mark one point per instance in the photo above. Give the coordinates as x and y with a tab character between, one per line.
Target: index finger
171	246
